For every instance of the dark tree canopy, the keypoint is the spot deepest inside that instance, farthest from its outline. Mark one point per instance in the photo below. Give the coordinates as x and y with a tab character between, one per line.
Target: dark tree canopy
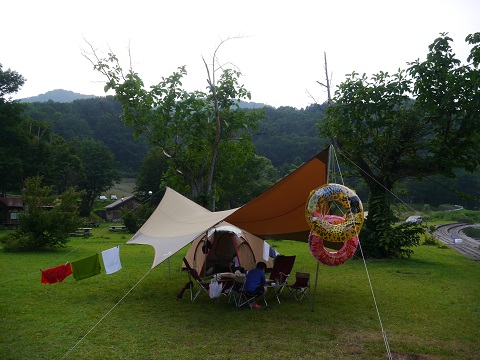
390	136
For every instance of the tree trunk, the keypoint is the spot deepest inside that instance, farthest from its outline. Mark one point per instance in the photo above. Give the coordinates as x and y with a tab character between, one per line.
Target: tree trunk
379	219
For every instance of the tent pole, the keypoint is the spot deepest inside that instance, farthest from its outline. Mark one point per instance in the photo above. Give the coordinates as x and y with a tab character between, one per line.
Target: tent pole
205	252
315	288
330	154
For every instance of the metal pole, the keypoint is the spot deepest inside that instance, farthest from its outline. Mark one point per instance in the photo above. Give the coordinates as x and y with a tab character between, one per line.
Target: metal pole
318	263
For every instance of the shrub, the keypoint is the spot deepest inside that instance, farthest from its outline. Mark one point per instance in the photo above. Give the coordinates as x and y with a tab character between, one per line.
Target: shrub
395	242
130	220
48	219
430	240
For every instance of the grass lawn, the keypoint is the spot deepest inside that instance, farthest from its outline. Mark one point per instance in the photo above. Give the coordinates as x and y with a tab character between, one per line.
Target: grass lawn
122	189
429	307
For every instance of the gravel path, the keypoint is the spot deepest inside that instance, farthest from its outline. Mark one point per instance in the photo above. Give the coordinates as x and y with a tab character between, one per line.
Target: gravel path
468	246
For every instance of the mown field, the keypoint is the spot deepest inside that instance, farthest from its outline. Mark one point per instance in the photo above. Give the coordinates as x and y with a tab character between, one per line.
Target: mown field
124	188
429	308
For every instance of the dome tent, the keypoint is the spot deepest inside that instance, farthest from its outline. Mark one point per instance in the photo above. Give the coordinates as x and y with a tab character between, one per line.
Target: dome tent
226	241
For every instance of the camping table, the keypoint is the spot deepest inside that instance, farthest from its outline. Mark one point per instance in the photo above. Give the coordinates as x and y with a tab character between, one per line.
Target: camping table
118	228
226	279
277	289
229	280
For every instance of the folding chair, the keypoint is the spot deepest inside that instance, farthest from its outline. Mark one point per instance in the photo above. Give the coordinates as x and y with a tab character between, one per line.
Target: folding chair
282	267
239	295
194	277
301	286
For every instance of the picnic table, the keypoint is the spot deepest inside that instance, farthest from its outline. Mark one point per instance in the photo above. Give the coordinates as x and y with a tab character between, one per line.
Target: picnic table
82	232
118	228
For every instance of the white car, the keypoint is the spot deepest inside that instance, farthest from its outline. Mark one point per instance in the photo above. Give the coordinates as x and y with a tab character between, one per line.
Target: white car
102	197
414	220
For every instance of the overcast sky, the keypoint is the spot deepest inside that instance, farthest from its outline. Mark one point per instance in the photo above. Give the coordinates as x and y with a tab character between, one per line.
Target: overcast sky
280	52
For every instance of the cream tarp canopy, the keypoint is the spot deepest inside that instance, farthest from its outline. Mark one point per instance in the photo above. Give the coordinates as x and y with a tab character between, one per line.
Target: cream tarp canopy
174	224
278	213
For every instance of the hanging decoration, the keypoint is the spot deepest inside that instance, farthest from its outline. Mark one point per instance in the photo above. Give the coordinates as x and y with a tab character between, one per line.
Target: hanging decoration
319	252
319	203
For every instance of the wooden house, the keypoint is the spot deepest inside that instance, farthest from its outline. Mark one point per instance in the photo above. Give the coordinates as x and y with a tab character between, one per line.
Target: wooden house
113	212
10	209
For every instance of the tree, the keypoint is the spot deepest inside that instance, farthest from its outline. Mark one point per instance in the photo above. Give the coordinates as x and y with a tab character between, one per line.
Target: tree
189	127
10	82
100	172
64	168
11	135
390	136
47	220
149	179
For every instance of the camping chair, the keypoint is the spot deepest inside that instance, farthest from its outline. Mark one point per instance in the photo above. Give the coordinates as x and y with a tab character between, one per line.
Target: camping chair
301	286
194	277
282	267
238	295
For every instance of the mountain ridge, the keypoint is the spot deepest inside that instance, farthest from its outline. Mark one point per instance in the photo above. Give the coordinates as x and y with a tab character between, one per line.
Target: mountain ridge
57	95
67	96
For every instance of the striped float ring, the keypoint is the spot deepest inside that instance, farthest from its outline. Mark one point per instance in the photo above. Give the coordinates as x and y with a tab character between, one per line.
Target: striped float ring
319	252
317	204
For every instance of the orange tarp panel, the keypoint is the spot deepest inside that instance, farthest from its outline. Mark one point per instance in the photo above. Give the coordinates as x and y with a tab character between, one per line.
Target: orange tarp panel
279	213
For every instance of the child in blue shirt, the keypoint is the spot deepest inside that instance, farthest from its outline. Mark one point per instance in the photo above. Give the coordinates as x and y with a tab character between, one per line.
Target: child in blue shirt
255	283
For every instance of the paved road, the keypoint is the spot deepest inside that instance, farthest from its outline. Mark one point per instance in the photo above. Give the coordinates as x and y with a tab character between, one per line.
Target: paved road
468	247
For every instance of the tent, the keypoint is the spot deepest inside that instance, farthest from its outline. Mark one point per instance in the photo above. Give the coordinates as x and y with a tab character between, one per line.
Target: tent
278	213
226	242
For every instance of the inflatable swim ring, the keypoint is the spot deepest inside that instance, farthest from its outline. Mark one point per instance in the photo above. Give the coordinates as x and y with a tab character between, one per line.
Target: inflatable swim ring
317	205
319	252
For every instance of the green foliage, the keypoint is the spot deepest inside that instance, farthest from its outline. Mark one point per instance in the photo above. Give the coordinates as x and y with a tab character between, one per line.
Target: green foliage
10	82
64	168
98	119
134	219
390	137
436	190
395	241
430	240
149	178
189	127
17	143
465	216
100	172
288	133
47	220
130	220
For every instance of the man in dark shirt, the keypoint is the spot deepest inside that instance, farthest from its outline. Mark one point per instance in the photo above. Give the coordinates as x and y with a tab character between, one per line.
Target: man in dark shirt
255	284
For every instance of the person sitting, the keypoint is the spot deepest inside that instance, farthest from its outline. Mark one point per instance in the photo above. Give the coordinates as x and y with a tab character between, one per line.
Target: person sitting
255	284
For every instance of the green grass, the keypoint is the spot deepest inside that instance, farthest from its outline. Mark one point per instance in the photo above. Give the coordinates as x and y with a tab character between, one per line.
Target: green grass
429	306
122	189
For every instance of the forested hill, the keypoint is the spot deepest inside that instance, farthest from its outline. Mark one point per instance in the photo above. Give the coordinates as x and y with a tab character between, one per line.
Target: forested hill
59	95
97	118
289	136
